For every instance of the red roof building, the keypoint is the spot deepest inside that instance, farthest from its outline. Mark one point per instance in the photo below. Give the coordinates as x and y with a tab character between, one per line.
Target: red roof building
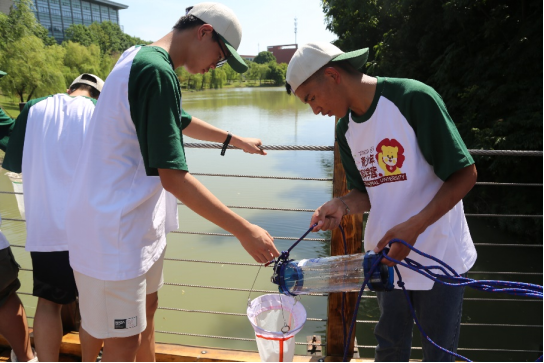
283	53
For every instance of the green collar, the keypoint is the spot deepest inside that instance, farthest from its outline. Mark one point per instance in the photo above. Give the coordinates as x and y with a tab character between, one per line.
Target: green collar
379	89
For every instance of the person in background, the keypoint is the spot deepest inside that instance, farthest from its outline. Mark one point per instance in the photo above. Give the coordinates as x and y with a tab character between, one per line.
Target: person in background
45	145
13	322
131	170
406	163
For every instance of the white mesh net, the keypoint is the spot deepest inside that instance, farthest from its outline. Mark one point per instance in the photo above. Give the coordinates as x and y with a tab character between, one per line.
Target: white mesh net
276	319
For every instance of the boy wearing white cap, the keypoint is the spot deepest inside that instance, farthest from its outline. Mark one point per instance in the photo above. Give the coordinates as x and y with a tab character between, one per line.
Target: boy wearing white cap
405	163
45	145
131	170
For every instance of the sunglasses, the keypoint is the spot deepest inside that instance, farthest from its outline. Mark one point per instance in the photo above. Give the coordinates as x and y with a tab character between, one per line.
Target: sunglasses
217	38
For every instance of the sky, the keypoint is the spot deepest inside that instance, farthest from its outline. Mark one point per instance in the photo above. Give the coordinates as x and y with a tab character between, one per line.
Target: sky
264	22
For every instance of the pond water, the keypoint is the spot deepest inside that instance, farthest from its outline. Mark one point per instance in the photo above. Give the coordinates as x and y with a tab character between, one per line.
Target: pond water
269	114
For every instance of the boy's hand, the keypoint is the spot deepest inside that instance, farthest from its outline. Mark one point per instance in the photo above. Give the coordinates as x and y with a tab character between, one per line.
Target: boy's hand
408	232
258	243
328	216
250	145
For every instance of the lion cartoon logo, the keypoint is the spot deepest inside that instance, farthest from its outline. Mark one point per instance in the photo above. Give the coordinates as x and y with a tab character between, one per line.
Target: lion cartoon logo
390	156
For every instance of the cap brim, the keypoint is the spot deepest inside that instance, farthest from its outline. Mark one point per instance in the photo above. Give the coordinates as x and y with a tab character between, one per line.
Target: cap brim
234	60
2	74
357	58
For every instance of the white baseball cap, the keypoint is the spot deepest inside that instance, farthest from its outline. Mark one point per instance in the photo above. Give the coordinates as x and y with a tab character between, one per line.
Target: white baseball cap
226	24
309	58
97	83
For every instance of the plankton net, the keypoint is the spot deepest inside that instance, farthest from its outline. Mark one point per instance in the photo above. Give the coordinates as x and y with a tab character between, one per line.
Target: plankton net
276	319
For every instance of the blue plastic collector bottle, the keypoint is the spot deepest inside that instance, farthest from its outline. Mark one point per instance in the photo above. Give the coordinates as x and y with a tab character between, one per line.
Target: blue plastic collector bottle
333	274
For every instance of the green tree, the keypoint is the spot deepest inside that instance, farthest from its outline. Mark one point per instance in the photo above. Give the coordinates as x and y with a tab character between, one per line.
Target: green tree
264	57
230	73
81	59
79	33
276	73
34	69
485	59
107	35
21	22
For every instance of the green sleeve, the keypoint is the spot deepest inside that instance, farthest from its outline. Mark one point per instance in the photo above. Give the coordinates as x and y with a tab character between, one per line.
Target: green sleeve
185	119
353	177
436	133
6	127
13	160
155	107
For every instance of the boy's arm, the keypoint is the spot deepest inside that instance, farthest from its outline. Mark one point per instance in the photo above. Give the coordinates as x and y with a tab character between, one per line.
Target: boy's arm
452	191
255	240
201	130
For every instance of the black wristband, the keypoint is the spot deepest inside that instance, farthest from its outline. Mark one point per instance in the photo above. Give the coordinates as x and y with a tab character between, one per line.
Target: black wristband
226	143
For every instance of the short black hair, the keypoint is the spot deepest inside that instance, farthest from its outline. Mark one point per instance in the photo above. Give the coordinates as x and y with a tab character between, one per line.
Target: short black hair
344	64
86	87
191	21
188	22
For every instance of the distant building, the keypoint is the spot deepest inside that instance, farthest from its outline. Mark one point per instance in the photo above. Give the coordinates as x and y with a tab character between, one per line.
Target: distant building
248	57
57	15
283	53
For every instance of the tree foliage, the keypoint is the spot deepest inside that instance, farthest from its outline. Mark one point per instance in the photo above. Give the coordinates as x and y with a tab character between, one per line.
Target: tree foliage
485	59
264	57
107	35
37	66
34	69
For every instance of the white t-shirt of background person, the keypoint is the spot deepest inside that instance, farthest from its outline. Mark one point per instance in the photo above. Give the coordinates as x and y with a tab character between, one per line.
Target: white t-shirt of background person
45	146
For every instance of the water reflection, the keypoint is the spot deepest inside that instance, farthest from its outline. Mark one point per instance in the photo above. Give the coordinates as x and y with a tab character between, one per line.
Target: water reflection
278	119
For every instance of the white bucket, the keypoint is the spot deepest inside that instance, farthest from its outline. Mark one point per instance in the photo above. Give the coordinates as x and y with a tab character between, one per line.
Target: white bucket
268	315
17	182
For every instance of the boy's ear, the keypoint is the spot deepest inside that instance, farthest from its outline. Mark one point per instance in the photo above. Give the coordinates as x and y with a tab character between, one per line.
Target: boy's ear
333	73
203	30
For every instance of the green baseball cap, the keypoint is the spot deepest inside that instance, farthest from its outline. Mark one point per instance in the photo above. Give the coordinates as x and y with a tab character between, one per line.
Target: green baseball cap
226	24
2	74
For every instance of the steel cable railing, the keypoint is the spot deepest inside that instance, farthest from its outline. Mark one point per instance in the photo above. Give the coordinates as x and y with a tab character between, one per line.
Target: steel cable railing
325	148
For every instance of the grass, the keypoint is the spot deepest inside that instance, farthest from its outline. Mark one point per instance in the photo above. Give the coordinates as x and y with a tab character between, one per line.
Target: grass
10	105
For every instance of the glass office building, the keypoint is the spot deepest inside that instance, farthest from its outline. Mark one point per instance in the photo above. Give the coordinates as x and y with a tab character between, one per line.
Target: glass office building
58	15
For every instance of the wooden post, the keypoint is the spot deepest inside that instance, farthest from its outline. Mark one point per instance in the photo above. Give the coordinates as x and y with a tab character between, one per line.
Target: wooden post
353	228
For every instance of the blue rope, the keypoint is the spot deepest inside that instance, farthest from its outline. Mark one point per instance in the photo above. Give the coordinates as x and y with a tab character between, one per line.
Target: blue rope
511	288
448	273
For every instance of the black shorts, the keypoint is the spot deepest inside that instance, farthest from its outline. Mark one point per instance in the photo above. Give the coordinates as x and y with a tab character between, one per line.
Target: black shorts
9	273
53	277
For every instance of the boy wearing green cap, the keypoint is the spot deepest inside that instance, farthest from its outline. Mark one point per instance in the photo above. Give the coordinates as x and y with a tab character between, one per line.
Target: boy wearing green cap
13	323
131	170
406	164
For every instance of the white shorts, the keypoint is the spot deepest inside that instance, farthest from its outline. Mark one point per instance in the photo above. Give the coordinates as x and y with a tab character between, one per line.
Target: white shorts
117	309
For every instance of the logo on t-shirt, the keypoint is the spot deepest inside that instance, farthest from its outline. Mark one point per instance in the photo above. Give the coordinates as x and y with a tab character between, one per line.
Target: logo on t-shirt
126	323
389	156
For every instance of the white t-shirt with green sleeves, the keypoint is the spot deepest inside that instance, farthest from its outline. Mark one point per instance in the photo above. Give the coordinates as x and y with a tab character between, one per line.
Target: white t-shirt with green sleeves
400	152
45	145
119	213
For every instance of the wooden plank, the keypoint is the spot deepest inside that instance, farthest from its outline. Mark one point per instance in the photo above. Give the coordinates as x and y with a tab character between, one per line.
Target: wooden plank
71	348
353	228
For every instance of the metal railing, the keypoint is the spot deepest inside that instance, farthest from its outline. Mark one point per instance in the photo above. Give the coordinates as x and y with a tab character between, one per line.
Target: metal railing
366	296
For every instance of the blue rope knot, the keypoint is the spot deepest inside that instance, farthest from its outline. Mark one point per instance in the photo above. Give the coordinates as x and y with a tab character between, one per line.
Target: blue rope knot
400	283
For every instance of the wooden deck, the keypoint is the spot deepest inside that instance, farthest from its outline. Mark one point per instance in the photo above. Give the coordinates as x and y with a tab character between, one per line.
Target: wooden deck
71	352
